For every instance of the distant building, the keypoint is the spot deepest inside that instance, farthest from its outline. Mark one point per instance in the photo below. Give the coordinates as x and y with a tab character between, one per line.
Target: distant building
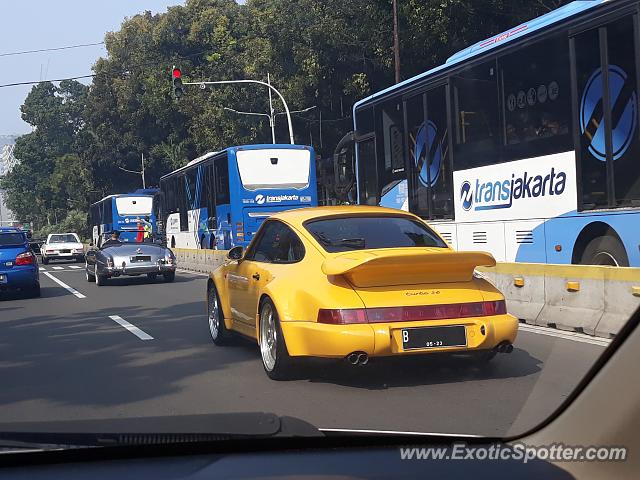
7	162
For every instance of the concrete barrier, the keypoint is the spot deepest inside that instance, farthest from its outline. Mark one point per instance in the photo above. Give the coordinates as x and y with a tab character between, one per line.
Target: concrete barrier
591	299
203	261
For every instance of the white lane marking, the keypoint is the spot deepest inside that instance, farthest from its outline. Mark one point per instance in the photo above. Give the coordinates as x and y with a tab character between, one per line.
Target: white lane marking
132	328
65	286
58	268
42	269
75	267
574	336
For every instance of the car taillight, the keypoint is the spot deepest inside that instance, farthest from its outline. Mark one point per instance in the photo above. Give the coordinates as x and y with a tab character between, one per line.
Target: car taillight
26	258
342	317
413	313
498	307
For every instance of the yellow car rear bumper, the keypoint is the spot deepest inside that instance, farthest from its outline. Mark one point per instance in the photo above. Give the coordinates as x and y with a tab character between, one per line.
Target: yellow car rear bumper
385	339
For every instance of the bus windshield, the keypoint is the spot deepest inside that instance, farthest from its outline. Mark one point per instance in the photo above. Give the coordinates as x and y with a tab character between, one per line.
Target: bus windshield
271	168
134	205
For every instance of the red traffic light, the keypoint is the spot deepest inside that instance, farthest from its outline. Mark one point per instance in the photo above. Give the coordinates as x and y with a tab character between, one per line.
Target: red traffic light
176	73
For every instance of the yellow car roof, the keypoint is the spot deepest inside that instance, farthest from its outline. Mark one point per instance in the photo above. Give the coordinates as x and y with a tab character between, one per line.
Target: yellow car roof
300	215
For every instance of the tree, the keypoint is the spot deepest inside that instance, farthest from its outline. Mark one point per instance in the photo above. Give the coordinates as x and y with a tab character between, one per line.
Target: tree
327	54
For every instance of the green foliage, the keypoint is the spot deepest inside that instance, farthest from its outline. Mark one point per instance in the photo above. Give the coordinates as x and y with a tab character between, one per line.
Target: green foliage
75	221
326	54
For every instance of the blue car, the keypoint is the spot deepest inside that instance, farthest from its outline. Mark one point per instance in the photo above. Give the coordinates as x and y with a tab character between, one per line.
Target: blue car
18	264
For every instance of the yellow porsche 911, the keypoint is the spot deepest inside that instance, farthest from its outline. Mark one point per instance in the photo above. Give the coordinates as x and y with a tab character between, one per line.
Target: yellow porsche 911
355	282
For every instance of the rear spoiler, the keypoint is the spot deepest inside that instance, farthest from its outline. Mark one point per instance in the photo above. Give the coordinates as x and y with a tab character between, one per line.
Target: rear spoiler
406	266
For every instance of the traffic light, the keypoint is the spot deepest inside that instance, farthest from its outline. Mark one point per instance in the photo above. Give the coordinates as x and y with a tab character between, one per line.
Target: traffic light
178	88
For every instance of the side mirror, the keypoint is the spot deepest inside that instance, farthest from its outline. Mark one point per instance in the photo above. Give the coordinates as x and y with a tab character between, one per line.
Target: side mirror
236	253
212	223
91	244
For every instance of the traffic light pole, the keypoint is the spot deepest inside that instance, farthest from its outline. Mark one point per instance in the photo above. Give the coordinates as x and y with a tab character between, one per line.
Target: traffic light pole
271	87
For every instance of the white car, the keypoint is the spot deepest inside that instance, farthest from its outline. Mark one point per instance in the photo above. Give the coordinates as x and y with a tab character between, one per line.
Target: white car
63	246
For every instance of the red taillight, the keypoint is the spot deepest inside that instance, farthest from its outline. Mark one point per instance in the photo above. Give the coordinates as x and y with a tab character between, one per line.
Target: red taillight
412	314
499	307
26	258
342	317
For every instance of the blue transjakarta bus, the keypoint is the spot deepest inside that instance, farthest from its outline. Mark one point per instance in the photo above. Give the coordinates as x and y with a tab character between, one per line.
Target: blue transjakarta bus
512	145
123	213
220	199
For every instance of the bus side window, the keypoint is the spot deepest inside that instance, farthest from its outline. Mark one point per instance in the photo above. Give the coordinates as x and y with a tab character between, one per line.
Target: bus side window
536	99
608	149
367	171
475	97
223	196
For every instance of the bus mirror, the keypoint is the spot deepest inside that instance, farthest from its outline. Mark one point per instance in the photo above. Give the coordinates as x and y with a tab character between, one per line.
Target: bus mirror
236	253
212	224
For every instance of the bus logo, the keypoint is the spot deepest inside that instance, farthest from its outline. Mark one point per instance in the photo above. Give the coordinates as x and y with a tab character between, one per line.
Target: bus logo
501	193
466	195
428	154
260	199
623	109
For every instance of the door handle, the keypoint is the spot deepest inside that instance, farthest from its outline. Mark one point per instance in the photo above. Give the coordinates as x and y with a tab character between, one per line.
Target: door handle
256	276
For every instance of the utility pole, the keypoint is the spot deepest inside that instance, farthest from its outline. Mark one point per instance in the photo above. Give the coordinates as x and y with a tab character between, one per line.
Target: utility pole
144	183
141	172
396	41
271	116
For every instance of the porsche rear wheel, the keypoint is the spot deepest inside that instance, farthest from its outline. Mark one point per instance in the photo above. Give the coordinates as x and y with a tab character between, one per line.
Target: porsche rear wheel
273	350
217	328
483	357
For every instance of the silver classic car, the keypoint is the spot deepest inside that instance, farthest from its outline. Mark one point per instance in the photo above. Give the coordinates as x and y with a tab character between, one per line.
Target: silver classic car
129	259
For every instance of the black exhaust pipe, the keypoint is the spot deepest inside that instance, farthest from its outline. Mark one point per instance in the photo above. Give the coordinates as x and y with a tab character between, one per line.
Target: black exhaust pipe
504	347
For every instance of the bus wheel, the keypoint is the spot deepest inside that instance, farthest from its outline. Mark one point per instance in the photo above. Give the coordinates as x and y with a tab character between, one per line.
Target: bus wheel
605	250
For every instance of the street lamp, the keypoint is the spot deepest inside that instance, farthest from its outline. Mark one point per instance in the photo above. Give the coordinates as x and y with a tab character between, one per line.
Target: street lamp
272	117
141	172
271	87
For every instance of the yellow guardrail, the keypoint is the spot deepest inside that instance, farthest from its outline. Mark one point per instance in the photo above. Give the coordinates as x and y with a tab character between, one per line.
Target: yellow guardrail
595	300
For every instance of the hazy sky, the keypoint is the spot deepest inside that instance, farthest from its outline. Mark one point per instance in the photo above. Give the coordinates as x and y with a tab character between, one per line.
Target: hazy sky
37	24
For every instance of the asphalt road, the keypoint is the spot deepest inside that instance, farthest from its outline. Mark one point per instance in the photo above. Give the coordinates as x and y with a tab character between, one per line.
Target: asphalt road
85	352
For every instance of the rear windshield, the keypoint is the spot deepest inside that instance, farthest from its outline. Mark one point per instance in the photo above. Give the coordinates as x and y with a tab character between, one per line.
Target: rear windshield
68	238
134	205
11	239
356	233
272	168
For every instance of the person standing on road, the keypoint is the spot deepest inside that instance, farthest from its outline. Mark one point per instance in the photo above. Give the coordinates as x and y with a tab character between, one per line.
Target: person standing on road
140	235
147	229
